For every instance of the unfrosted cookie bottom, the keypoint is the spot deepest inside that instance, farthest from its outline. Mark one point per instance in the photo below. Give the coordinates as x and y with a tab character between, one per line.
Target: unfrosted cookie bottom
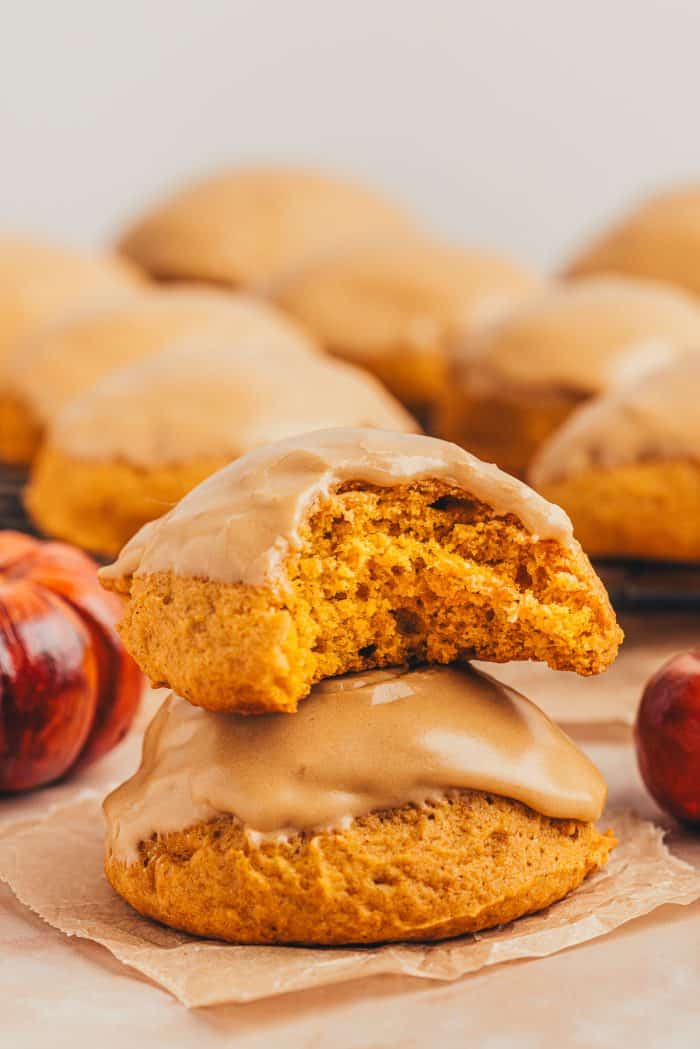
99	505
416	376
457	865
502	429
645	510
20	431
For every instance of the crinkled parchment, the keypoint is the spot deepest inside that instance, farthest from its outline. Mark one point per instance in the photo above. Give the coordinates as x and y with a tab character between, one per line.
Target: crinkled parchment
54	866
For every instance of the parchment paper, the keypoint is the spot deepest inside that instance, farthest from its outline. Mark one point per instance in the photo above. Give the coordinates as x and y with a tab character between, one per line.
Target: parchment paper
54	866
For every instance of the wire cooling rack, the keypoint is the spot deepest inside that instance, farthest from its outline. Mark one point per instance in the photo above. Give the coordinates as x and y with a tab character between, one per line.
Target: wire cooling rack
651	584
12	512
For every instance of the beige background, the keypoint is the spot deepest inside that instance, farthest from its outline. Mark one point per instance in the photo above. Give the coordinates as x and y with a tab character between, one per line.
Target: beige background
520	125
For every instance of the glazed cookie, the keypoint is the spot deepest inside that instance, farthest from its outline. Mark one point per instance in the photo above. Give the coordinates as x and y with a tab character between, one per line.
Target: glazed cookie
516	380
659	239
245	227
353	821
69	357
627	467
392	305
139	440
40	282
347	549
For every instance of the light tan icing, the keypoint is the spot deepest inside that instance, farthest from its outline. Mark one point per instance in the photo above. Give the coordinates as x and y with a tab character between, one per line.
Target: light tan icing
238	525
40	282
579	338
358	744
383	296
655	418
197	401
69	357
249	225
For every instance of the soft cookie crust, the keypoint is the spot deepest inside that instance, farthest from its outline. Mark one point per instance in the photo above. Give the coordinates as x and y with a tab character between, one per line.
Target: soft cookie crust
504	429
639	510
453	866
99	505
20	434
383	576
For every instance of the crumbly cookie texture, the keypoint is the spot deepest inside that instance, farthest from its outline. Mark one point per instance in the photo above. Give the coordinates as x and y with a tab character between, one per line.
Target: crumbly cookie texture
99	505
382	576
452	866
641	510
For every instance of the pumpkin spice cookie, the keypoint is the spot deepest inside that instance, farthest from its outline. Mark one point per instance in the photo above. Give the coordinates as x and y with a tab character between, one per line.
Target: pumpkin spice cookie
40	282
348	549
517	379
626	467
138	441
354	821
245	227
660	239
71	356
392	304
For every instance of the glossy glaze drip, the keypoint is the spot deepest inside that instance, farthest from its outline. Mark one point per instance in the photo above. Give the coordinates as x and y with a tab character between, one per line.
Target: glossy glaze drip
359	744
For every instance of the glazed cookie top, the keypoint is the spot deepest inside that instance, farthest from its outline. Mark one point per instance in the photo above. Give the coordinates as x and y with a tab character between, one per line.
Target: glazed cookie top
68	357
218	401
361	743
655	418
659	238
395	293
40	282
580	337
247	226
239	524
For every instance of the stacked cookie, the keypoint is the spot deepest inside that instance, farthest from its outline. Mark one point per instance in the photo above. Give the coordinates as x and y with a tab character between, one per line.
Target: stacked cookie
304	785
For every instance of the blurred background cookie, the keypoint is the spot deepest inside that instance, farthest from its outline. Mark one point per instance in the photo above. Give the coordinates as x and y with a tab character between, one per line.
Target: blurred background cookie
626	467
132	446
517	379
246	226
391	304
68	357
660	238
349	821
40	282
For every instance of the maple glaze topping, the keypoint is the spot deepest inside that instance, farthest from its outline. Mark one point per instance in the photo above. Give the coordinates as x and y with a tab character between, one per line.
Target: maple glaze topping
358	744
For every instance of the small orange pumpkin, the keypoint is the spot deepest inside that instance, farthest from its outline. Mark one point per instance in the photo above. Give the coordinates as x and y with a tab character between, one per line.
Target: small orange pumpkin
68	688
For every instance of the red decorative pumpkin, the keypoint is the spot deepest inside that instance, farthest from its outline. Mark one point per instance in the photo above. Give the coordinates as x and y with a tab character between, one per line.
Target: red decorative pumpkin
68	689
